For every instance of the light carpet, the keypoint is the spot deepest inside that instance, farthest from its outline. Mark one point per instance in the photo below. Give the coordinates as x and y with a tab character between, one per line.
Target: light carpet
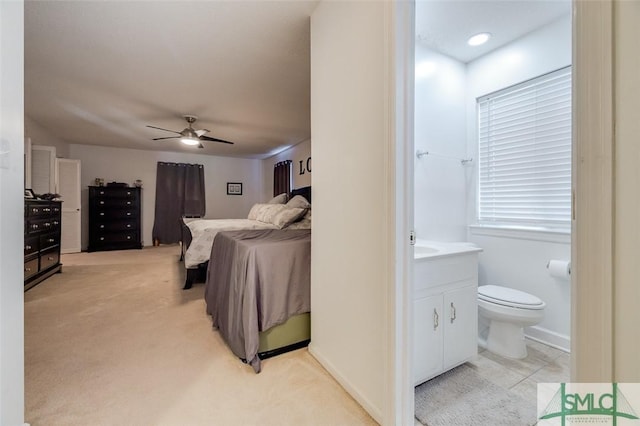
114	340
461	397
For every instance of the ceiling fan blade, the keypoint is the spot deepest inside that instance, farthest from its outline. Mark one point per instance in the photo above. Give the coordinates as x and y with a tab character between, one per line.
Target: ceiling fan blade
202	132
207	138
170	137
160	128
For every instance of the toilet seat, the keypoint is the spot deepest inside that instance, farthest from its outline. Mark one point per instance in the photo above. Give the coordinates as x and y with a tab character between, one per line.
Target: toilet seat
509	297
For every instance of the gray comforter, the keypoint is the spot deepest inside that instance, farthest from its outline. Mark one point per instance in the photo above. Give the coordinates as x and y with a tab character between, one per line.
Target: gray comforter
259	279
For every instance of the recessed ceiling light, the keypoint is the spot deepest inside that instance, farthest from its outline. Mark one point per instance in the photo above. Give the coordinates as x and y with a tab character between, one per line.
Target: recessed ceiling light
478	39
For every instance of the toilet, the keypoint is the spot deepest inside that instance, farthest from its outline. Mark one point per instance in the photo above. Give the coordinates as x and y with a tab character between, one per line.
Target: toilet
508	312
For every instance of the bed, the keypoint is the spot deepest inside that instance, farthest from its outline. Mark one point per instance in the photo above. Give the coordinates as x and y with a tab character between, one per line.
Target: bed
198	236
257	291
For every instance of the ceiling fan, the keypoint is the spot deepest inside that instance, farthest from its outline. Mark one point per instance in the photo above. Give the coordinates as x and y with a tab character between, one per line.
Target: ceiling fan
190	136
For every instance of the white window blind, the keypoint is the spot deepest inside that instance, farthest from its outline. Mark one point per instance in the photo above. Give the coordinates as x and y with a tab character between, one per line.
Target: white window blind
525	153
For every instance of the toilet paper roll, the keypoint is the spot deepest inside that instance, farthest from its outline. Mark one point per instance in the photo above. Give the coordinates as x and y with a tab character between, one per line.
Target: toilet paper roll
559	269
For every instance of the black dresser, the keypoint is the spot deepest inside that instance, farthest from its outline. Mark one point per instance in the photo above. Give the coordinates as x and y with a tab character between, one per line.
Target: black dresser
42	223
114	218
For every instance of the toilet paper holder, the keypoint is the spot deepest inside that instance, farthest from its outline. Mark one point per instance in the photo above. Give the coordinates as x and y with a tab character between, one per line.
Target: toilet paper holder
554	265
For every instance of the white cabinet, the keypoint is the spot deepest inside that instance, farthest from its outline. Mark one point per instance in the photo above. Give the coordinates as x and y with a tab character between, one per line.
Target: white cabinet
445	315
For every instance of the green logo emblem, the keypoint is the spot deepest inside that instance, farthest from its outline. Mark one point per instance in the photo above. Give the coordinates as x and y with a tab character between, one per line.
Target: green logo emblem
569	405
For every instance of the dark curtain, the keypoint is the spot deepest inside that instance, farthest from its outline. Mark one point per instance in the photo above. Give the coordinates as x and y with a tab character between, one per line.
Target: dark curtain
179	192
282	178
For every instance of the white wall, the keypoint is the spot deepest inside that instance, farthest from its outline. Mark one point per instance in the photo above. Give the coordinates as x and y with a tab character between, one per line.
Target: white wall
350	246
41	136
127	165
510	259
11	212
627	202
440	128
300	155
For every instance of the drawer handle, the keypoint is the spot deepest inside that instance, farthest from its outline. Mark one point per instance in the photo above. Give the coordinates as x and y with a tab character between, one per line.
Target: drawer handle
101	192
55	222
27	247
101	226
128	192
453	313
101	202
128	213
27	269
51	240
47	224
101	238
128	237
35	210
50	258
128	225
101	213
435	319
128	203
34	226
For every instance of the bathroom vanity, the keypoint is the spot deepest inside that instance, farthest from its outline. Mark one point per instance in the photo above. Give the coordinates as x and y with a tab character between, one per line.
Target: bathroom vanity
445	307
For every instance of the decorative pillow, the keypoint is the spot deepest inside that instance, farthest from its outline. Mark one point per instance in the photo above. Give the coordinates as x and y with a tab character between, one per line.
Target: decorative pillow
255	210
279	199
267	212
298	202
287	216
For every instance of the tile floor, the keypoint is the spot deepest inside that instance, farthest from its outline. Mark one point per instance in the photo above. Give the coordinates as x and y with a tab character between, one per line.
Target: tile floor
543	364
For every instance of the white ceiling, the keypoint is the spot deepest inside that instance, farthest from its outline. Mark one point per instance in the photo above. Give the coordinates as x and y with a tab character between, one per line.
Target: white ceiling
446	25
98	72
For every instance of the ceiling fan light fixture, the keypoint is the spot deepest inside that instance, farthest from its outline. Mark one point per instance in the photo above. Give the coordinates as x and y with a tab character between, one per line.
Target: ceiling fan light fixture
190	140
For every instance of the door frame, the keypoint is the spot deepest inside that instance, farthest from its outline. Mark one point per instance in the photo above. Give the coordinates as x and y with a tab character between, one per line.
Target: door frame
592	203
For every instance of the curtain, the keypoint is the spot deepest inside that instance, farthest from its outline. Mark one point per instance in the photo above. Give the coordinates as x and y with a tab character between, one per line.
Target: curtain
179	192
282	177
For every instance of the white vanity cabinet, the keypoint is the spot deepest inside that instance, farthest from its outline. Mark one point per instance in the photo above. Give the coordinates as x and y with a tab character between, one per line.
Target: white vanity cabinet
445	313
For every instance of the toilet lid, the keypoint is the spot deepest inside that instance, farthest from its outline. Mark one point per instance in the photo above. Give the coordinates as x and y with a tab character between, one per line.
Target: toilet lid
509	297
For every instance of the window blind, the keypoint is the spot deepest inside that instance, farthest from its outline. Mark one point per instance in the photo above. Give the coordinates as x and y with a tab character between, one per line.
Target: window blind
525	153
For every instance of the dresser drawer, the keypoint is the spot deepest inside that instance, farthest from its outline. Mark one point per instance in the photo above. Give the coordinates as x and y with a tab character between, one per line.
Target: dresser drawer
49	240
31	245
49	258
113	192
116	225
115	237
36	226
30	268
106	214
115	203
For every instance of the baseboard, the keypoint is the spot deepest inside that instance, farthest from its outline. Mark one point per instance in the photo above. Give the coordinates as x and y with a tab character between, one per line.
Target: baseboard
549	338
352	390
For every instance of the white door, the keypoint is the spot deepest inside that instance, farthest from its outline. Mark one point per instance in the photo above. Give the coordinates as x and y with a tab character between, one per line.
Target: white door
68	186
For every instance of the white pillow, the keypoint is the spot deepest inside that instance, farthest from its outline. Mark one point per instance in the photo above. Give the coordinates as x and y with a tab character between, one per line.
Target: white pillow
255	210
279	199
287	216
298	202
267	212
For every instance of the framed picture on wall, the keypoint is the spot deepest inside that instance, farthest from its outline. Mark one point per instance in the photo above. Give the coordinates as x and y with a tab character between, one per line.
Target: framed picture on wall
234	188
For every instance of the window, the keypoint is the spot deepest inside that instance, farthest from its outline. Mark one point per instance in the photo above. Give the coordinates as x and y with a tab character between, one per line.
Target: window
525	154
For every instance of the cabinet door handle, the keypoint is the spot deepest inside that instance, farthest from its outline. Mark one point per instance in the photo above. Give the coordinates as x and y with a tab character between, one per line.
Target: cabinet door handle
453	313
435	319
50	258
